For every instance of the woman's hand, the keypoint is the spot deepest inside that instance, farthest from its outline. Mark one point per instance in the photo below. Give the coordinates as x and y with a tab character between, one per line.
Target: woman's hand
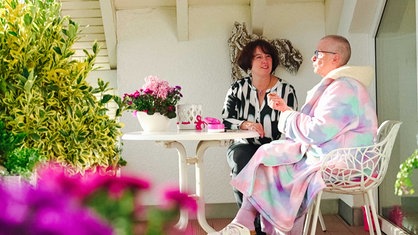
277	103
253	126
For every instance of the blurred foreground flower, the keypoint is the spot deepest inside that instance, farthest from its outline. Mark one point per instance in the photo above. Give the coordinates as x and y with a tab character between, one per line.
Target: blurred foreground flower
89	204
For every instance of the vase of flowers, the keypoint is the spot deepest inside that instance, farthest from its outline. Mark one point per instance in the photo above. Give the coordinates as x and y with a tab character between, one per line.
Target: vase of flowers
154	104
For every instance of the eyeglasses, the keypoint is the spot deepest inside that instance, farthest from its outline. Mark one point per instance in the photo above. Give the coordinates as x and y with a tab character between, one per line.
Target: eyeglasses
317	55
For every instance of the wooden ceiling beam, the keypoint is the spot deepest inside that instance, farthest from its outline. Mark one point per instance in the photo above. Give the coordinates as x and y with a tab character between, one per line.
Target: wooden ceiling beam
257	16
109	25
182	8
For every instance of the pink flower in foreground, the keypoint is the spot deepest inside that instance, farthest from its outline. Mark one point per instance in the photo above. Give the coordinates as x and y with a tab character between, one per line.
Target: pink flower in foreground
172	197
54	178
95	202
117	185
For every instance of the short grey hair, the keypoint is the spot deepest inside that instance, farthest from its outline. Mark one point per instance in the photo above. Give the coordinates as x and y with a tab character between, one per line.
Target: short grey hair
342	46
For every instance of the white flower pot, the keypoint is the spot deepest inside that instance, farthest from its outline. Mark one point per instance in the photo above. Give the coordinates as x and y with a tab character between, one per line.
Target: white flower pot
153	123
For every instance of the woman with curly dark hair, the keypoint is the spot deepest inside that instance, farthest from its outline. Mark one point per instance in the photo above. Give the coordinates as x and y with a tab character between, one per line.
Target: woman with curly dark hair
246	106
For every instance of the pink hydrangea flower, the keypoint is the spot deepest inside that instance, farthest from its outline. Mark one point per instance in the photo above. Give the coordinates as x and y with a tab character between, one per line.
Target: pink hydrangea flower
160	88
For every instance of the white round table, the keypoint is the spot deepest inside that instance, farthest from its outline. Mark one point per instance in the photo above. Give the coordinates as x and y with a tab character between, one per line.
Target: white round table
172	139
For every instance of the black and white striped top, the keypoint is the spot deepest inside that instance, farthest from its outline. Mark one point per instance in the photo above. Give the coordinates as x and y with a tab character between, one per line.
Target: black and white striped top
241	104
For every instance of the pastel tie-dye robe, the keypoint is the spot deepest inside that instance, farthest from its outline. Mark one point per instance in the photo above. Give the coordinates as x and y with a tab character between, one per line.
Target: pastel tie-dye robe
282	178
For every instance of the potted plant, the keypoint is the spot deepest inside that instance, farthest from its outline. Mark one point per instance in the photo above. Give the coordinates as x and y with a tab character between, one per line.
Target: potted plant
44	92
154	104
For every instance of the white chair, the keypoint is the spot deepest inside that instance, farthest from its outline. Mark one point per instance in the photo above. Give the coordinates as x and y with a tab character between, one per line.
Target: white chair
356	171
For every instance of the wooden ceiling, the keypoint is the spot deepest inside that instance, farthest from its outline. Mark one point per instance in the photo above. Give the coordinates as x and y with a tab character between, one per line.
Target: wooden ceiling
100	18
97	20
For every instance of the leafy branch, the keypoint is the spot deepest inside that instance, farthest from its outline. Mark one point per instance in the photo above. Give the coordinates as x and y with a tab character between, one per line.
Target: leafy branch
403	183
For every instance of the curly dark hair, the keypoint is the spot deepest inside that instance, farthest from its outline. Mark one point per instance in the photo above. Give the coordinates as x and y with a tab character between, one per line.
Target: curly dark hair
245	58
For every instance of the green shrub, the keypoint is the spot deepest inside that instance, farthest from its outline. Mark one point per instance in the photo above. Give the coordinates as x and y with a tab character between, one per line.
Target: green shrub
8	141
23	162
17	160
403	183
44	92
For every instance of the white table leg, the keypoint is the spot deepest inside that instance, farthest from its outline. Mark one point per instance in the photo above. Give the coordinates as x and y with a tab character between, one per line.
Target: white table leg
200	150
183	182
197	161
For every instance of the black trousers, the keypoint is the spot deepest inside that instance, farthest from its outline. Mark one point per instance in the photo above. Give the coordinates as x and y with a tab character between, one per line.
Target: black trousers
238	155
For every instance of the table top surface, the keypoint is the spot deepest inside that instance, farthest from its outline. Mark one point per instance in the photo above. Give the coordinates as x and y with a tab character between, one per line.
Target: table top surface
189	135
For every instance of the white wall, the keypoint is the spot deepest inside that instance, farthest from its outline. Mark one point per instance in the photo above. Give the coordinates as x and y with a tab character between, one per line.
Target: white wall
148	45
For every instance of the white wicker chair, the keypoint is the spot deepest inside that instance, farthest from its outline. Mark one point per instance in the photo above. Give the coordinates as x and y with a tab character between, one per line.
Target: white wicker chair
356	171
